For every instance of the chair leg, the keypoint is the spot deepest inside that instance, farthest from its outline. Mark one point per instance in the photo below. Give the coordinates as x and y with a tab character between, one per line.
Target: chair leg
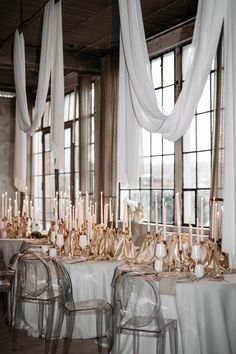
70	319
59	321
49	327
135	342
173	334
109	329
40	319
99	325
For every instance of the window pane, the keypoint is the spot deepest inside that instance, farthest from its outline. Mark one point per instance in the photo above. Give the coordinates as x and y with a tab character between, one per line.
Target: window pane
168	147
50	186
156	172
168	172
159	206
204	170
145	179
168	69
203	132
169	199
135	196
156	144
189	138
189	170
189	207
38	186
67	138
49	165
205	194
123	194
67	160
66	108
47	142
72	106
156	72
76	133
145	203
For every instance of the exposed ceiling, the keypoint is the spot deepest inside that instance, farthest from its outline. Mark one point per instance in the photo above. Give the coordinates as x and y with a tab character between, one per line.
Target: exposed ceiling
90	30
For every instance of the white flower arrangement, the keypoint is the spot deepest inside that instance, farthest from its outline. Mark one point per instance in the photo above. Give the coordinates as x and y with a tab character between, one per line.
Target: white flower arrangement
136	210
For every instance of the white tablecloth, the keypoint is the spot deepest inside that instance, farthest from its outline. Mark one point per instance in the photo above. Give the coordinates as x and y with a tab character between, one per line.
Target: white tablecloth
206	312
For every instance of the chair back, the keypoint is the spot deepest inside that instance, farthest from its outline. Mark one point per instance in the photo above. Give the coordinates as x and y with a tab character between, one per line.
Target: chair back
138	301
64	282
33	277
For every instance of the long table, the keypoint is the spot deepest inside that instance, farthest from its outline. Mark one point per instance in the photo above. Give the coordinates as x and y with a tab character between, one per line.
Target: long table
205	309
206	313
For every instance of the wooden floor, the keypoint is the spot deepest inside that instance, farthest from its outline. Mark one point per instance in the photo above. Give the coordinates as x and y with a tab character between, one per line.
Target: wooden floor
31	345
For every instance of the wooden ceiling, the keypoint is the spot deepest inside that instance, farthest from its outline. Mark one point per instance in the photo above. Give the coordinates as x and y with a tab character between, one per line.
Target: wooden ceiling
90	30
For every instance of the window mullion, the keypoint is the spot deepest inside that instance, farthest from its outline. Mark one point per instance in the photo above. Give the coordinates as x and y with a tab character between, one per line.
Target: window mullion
178	143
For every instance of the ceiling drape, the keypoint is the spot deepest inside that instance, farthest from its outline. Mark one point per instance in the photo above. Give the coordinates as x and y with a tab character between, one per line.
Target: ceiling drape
139	108
51	65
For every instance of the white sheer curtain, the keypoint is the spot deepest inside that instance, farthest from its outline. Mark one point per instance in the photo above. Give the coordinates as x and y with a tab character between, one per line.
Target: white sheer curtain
137	102
51	63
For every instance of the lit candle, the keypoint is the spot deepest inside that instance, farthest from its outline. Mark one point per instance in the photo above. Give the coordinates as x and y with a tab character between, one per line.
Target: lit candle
180	237
217	225
86	205
116	226
3	208
124	214
190	233
130	233
148	223
110	209
198	239
16	204
164	217
105	215
156	208
213	219
202	220
6	208
95	213
101	207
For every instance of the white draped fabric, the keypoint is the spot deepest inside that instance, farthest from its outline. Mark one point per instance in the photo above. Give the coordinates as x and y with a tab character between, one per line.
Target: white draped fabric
51	63
137	102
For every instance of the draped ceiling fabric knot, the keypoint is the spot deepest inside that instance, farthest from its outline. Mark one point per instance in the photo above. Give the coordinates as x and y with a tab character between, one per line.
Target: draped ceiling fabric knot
138	108
51	66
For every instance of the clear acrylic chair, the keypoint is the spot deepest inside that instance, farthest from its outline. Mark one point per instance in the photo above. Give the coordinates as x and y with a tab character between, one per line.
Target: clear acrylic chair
101	308
33	284
138	313
6	279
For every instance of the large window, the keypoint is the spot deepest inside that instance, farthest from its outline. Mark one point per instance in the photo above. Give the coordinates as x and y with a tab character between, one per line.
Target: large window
63	185
184	166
